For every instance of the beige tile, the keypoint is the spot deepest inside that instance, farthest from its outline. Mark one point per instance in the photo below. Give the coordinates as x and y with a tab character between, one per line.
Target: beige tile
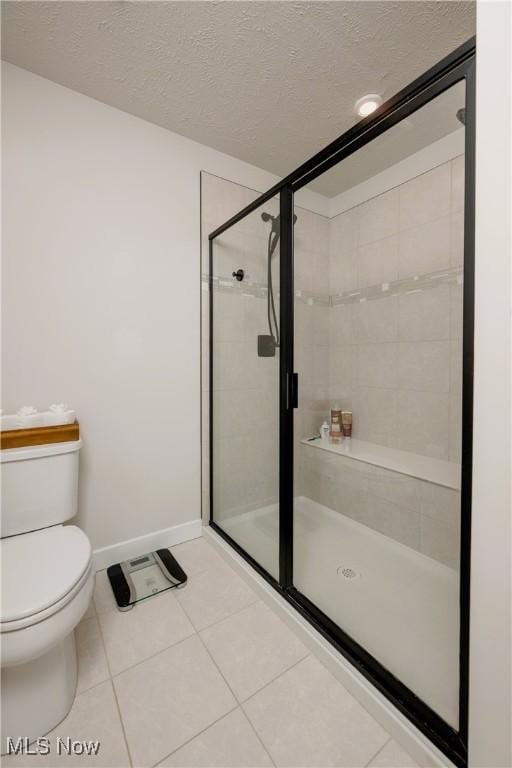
93	717
392	755
252	648
343	241
321	321
378	365
440	540
423	425
395	487
376	321
456	311
375	416
455	427
425	365
151	626
307	718
378	262
229	743
320	267
214	595
340	320
425	248
456	367
425	315
425	198
457	239
397	523
342	372
228	317
439	502
92	662
458	183
169	699
378	217
196	556
104	599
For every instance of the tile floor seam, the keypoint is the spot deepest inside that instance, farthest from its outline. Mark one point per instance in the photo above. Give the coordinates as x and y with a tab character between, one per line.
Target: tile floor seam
314	655
99	682
378	752
252	575
284	672
236	698
244	713
154	655
218	621
123	730
172	645
188	741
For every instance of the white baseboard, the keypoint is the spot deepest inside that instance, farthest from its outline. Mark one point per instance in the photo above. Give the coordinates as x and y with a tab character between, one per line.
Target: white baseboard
396	724
168	537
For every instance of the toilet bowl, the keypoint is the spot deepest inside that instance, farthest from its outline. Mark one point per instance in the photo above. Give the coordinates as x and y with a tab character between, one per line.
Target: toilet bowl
47	584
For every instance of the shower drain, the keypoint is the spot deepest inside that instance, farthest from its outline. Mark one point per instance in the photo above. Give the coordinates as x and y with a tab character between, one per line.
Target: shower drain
348	573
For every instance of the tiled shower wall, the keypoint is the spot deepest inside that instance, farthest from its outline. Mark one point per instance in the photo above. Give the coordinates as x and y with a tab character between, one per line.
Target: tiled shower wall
246	387
378	311
242	433
396	359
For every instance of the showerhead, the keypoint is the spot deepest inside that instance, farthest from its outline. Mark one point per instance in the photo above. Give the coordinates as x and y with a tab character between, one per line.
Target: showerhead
275	220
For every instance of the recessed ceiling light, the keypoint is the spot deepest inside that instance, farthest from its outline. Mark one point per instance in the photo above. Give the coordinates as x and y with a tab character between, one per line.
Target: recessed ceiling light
367	104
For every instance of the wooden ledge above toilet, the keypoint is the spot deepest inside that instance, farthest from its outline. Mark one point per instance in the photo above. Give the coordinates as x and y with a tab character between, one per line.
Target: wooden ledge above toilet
21	438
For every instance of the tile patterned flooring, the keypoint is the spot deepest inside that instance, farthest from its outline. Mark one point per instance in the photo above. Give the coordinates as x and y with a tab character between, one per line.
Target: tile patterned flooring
209	675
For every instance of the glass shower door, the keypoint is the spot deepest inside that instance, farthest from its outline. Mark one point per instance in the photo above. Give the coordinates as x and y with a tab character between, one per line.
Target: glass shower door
378	338
245	339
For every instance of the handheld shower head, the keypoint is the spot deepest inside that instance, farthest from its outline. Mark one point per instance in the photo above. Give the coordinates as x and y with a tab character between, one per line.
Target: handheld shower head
275	220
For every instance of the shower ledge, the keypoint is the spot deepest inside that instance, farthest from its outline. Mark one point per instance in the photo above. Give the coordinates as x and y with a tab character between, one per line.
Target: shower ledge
438	471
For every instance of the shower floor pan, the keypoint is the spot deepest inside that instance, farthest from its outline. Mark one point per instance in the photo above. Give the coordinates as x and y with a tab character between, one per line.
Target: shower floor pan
399	604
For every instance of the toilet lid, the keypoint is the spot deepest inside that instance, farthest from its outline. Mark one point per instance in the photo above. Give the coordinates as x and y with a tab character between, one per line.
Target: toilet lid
40	568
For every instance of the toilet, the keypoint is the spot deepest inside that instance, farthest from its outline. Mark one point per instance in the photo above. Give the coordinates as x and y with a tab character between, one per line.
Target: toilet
47	584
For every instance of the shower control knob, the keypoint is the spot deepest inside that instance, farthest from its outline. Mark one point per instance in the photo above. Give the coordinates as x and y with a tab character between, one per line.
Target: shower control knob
239	275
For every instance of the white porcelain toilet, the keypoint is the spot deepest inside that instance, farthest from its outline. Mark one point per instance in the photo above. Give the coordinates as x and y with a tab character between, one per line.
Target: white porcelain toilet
47	584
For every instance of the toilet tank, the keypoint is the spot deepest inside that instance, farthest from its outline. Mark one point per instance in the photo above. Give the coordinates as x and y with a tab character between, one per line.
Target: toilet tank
39	486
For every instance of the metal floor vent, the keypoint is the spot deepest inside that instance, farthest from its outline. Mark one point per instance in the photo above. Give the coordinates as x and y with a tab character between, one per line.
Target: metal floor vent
348	573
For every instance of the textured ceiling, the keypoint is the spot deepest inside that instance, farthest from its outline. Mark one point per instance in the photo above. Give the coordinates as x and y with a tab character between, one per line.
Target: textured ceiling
268	82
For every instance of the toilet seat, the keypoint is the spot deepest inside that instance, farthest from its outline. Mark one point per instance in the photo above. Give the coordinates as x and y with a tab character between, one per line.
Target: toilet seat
42	571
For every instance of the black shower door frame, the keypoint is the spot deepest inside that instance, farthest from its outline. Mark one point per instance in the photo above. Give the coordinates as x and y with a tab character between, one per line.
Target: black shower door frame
458	66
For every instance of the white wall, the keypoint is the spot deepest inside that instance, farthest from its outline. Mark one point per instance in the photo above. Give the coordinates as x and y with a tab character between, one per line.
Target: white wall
490	682
101	276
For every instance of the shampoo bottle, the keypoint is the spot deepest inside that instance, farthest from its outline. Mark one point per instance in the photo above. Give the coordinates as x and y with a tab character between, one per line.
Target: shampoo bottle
336	427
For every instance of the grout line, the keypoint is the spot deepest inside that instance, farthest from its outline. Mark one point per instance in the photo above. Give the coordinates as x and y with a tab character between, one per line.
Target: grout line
234	695
109	677
157	653
372	758
115	694
224	618
217	720
178	642
232	691
267	751
284	672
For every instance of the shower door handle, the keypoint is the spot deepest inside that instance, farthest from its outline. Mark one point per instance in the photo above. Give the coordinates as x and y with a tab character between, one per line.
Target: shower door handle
292	390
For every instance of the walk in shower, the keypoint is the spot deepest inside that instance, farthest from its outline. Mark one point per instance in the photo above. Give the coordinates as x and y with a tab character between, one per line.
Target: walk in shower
350	284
